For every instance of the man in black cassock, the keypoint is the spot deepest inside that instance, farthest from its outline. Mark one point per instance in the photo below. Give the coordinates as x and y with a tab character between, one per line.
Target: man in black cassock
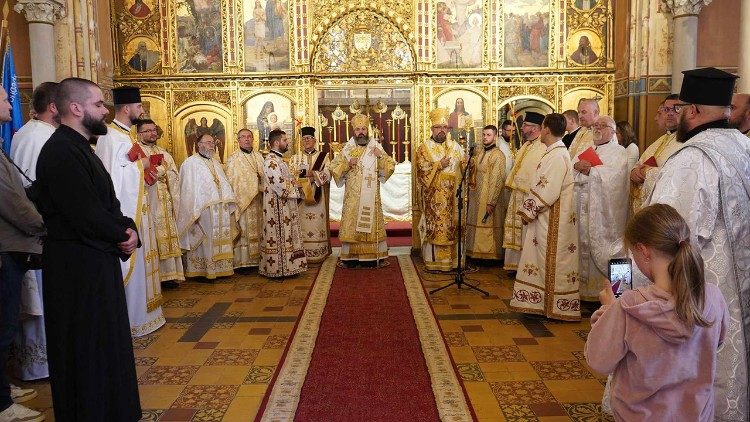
89	348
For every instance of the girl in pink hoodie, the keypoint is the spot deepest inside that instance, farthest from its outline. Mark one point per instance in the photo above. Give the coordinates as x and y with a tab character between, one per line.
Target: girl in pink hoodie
659	342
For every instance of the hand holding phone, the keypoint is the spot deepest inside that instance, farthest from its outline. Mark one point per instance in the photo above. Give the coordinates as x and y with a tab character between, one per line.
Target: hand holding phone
620	275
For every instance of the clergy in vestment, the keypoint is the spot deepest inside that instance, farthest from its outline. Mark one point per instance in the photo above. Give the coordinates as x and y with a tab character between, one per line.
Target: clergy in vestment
281	251
644	174
89	343
311	168
164	197
361	166
440	163
739	118
572	127
29	352
601	194
588	112
141	271
708	183
518	183
205	223
485	216
547	279
245	175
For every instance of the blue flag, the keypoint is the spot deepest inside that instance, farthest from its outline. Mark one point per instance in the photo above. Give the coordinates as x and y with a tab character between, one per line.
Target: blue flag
10	83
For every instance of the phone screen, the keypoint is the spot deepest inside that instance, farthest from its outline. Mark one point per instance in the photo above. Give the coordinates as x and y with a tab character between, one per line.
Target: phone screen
620	275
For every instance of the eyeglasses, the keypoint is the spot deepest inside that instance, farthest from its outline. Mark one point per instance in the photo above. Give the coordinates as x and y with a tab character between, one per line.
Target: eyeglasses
147	130
679	106
602	126
668	109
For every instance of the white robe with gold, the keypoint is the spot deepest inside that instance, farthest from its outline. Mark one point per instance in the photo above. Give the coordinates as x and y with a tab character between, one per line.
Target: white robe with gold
245	175
547	281
661	149
602	209
583	140
204	220
438	224
281	252
362	231
484	239
164	197
518	183
140	273
314	227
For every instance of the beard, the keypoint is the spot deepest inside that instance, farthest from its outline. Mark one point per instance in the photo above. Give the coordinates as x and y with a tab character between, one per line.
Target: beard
207	152
96	127
361	140
682	130
283	148
439	138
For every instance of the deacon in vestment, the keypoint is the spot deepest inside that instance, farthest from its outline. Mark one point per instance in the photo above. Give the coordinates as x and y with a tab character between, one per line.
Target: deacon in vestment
205	223
29	353
547	280
126	163
245	175
164	197
518	183
89	343
644	174
486	215
311	168
281	252
601	194
708	182
440	163
361	166
588	112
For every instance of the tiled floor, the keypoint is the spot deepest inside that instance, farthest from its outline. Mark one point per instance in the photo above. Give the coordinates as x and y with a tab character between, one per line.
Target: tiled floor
222	342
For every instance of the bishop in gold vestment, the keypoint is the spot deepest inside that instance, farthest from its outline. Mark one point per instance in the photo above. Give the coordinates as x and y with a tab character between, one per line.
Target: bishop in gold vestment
164	197
439	167
311	167
518	182
245	175
361	166
485	219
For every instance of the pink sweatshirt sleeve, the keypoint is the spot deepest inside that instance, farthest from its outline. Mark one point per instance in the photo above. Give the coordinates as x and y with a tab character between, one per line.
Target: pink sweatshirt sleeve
606	344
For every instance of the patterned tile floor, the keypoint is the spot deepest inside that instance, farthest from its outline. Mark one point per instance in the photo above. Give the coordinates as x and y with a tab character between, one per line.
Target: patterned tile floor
222	342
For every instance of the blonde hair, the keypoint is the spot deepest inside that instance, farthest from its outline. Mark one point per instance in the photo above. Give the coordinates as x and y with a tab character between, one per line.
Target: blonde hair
661	227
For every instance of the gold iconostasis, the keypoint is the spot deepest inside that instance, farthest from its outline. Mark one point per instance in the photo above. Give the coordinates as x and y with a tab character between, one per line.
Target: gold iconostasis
220	65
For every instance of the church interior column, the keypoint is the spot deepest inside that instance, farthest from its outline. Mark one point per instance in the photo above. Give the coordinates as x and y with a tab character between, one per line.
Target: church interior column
743	84
41	15
685	47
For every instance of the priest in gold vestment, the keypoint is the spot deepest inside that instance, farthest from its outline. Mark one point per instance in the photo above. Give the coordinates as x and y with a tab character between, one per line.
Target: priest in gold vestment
485	216
311	167
204	216
245	175
361	166
644	174
547	280
519	182
440	163
588	112
164	196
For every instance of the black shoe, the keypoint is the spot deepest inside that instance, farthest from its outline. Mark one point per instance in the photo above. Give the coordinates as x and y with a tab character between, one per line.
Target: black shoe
351	263
369	264
171	284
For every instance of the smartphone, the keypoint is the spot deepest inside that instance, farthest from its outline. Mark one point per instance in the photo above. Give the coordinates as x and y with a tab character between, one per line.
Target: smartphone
620	275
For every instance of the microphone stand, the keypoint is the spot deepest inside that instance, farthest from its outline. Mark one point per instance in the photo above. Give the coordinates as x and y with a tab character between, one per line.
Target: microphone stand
460	270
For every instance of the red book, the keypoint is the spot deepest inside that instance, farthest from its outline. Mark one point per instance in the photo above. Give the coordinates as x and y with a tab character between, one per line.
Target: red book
651	162
590	156
149	176
136	153
156	159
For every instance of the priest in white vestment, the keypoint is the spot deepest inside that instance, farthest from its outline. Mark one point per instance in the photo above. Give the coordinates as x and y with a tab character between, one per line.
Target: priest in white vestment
245	175
311	166
547	281
518	183
29	351
643	176
126	165
708	182
588	112
361	166
164	197
205	220
601	193
281	251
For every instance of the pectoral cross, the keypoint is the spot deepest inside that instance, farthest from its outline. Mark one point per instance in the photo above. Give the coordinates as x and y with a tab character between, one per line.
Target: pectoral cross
369	180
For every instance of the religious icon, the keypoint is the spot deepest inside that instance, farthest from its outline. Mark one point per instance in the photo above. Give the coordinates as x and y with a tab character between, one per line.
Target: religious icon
583	46
139	9
266	35
460	33
585	4
266	112
466	113
142	54
194	131
526	33
199	45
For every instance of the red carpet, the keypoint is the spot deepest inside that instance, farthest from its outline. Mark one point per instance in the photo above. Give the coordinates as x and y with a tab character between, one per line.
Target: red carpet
367	311
398	233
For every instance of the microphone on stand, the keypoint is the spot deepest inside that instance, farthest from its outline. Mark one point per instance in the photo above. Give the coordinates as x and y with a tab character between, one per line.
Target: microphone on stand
486	216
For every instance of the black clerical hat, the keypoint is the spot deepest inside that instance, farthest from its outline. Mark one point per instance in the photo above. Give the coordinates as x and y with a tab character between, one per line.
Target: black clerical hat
126	95
307	130
533	117
707	86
